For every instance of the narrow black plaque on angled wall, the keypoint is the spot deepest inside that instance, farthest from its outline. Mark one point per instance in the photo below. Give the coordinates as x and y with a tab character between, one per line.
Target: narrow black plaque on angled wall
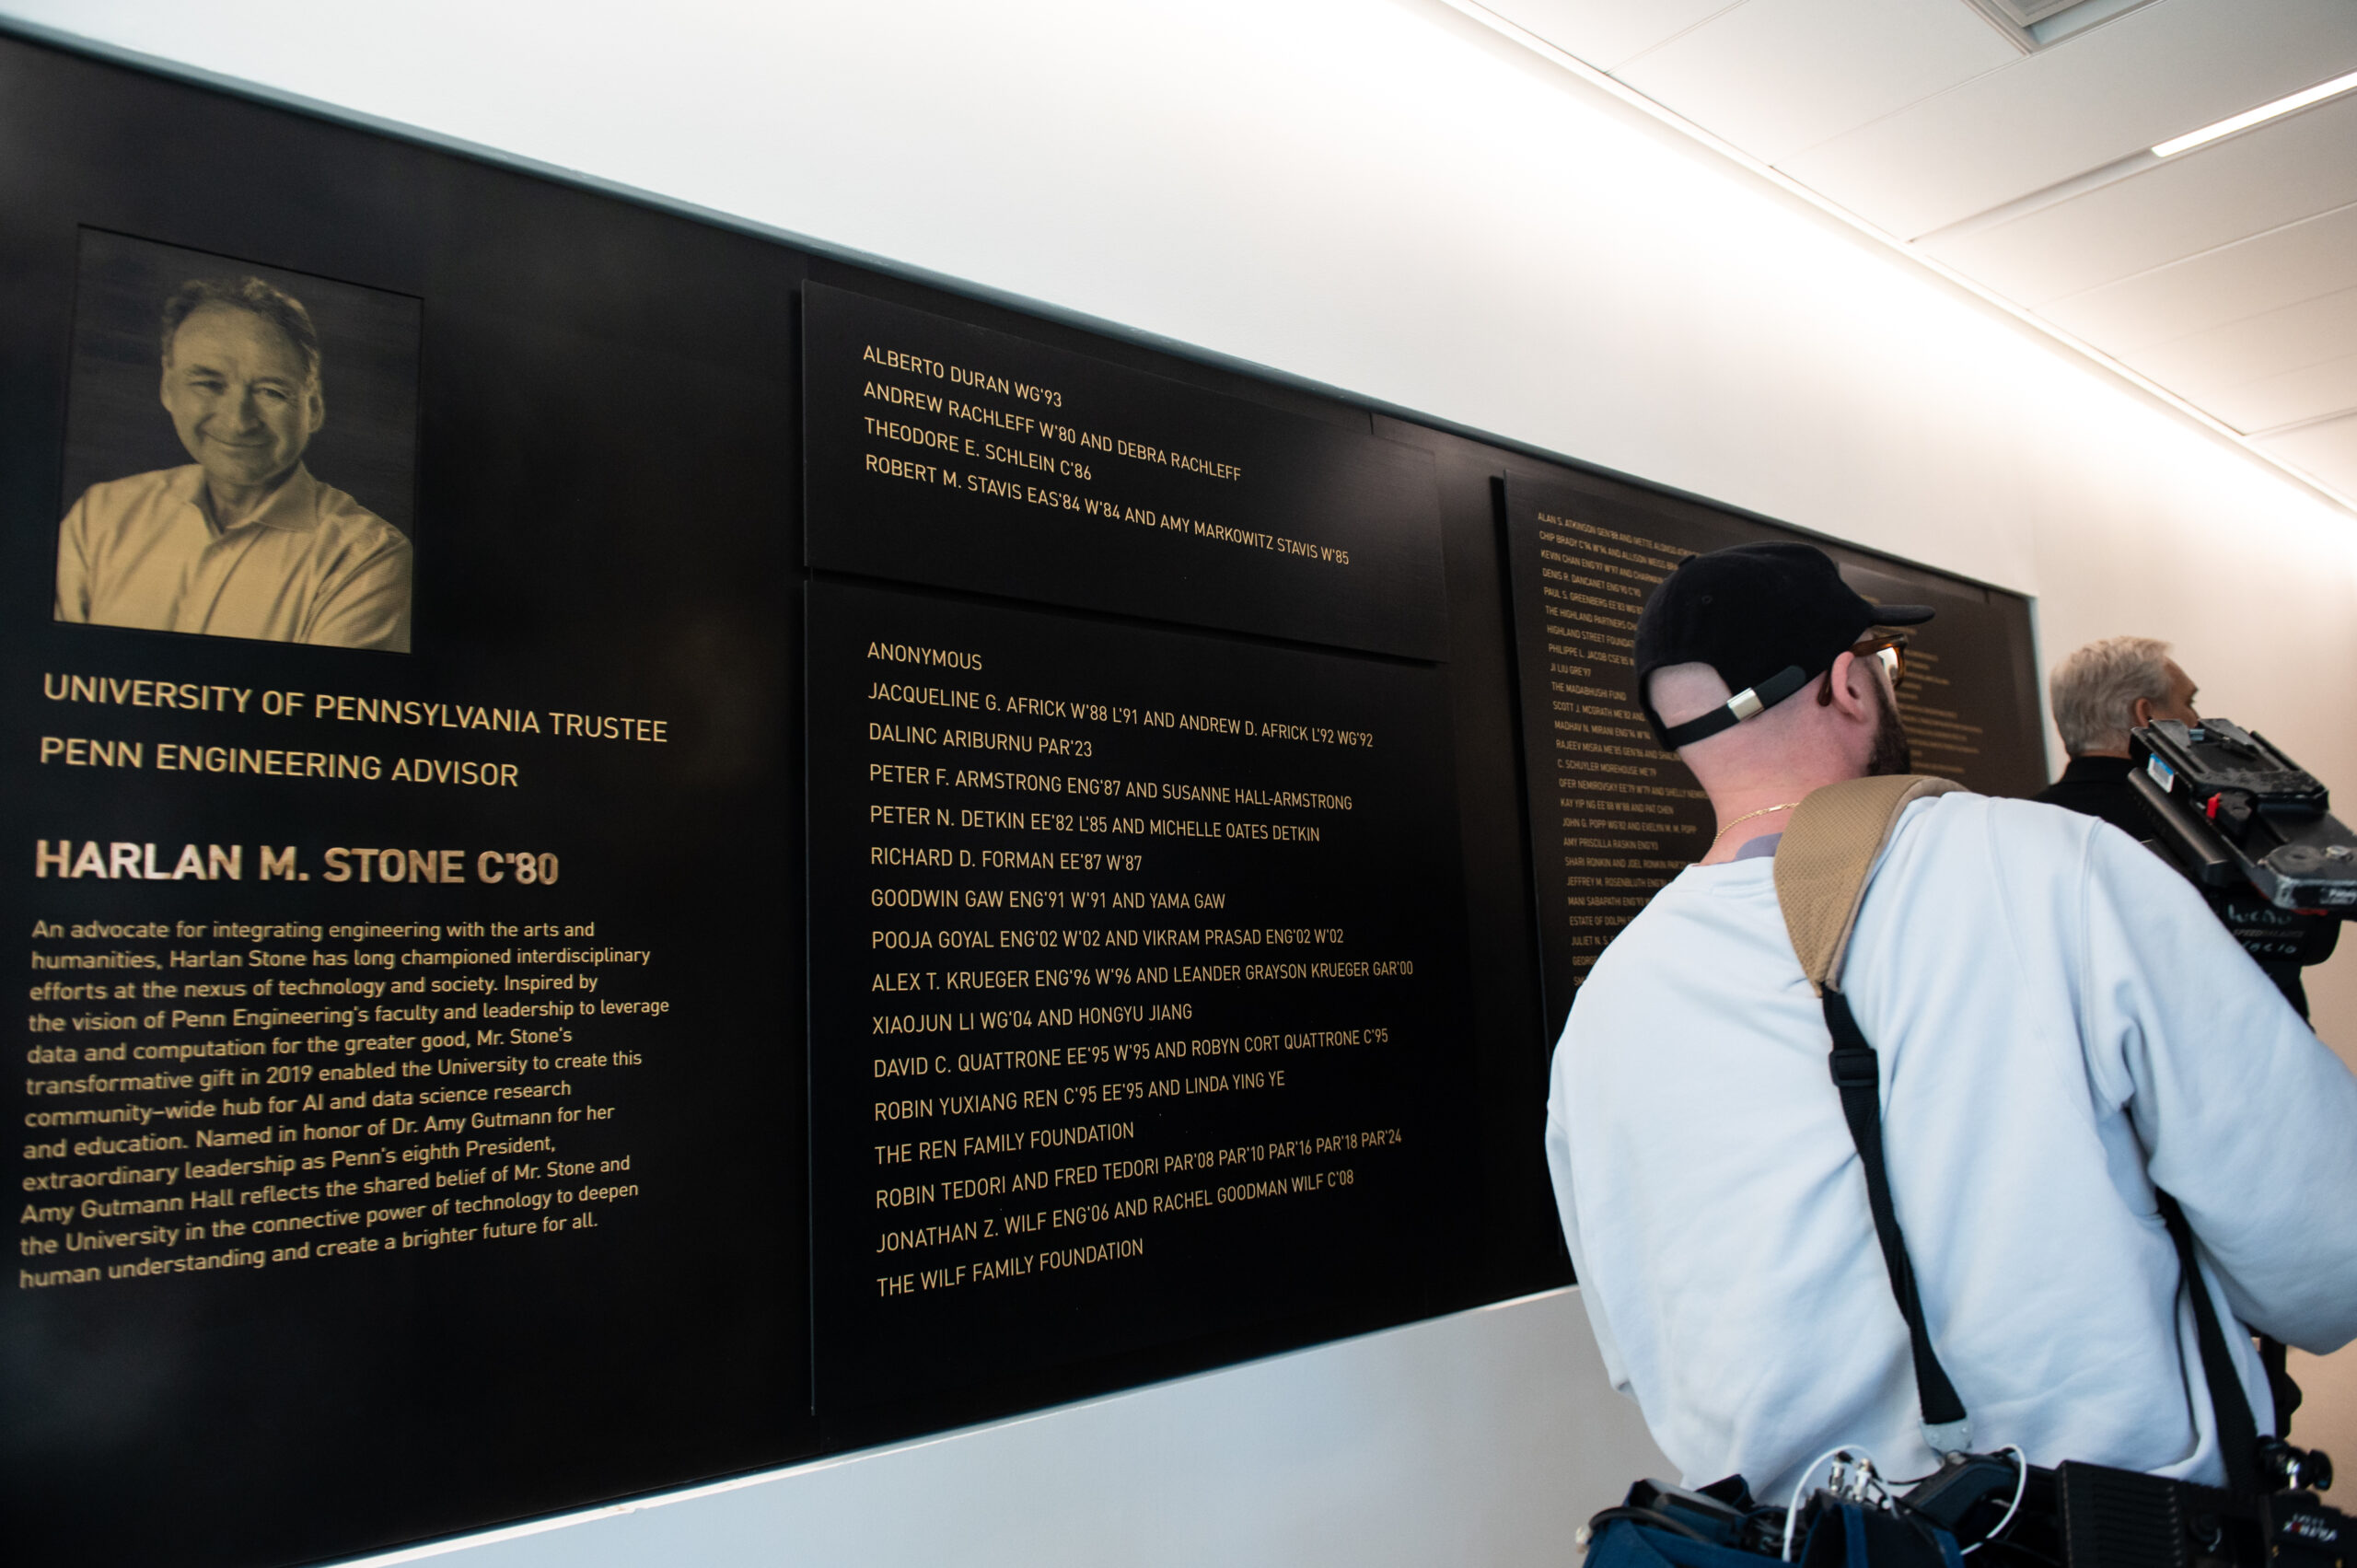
953	455
1133	986
1613	817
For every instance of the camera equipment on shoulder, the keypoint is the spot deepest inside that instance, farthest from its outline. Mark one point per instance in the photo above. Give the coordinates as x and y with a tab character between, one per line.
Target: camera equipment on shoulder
2076	1515
2254	831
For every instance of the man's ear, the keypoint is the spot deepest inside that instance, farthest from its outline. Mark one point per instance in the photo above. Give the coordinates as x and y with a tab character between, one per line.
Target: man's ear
319	405
1851	677
2140	712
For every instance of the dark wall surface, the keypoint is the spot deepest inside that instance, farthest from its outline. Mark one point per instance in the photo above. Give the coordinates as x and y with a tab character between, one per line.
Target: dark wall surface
513	999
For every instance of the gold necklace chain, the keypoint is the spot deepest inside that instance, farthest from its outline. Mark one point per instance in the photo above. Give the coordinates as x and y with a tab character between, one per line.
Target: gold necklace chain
1748	817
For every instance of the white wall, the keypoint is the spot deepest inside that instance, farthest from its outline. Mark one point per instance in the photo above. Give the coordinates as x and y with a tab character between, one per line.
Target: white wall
1374	194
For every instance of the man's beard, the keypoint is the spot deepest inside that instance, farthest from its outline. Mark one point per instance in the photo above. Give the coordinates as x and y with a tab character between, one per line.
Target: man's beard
1890	754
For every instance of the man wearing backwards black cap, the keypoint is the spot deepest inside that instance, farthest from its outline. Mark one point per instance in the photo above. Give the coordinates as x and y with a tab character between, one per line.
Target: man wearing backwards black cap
2062	1027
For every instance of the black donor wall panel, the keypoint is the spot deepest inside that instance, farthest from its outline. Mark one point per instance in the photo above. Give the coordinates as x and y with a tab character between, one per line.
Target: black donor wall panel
1132	990
1136	953
1614	817
407	1120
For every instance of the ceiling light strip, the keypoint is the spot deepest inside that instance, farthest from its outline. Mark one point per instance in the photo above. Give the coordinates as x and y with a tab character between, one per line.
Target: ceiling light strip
2250	117
1607	83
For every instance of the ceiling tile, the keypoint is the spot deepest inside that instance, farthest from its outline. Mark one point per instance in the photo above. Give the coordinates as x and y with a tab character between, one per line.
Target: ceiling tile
2281	267
2195	201
2311	392
1607	32
2327	451
1774	76
2085	102
2269	344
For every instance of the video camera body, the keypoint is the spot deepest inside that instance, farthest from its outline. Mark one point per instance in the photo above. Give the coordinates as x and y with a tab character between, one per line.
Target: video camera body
2254	831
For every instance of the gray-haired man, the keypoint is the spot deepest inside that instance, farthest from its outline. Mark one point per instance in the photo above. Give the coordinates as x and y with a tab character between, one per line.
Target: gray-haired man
242	542
2100	693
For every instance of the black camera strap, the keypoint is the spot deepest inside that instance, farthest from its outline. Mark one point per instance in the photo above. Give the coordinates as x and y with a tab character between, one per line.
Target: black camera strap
1857	1073
1822	866
2229	1405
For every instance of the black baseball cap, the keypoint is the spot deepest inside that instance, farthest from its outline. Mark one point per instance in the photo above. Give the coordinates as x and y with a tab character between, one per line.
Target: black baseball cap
1769	618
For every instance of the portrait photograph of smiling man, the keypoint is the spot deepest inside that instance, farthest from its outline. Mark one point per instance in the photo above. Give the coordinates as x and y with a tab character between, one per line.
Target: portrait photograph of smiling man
251	533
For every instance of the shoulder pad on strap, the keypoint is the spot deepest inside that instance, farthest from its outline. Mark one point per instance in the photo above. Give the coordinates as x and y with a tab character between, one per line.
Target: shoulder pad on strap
1831	845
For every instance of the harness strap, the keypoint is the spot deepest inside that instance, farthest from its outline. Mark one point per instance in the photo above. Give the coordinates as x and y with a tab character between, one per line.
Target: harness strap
1857	1073
1823	864
2237	1432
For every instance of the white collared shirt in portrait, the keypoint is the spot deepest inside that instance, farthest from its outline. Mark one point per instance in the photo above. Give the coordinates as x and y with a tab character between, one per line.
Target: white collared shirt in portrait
313	565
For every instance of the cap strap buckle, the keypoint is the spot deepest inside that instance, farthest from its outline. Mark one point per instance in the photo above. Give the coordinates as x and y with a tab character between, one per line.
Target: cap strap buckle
1748	702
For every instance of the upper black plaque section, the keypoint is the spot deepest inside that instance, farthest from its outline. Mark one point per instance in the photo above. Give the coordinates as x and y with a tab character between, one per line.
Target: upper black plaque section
1613	817
949	453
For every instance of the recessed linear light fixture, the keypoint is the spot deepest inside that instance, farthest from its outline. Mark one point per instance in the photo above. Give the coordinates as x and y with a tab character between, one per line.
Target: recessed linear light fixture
2259	116
1612	87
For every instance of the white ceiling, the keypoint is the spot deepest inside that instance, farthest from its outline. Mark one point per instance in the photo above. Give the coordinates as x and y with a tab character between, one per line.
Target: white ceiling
2226	274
